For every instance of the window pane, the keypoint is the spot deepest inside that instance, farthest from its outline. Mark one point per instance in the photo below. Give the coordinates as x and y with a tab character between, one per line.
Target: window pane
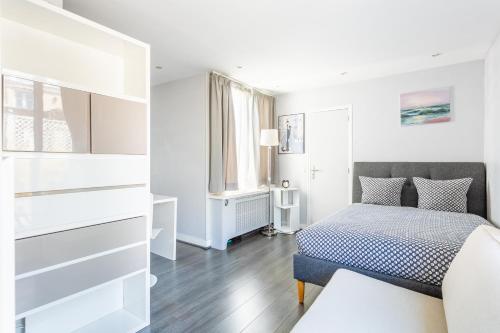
247	138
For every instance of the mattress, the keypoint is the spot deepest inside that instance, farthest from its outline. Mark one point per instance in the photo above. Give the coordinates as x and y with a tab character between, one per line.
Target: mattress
403	242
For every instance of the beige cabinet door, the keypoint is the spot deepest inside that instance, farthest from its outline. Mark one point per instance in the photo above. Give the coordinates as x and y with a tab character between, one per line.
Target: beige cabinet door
118	126
40	117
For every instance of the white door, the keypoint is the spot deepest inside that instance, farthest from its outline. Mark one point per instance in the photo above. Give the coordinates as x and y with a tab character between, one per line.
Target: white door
329	162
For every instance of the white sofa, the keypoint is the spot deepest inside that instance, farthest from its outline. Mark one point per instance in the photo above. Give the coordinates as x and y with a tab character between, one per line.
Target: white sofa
352	303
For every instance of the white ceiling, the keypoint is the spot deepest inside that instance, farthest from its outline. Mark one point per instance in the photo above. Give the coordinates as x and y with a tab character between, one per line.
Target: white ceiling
287	45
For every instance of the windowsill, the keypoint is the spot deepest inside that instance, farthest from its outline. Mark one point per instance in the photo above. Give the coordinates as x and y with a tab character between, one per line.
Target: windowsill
238	194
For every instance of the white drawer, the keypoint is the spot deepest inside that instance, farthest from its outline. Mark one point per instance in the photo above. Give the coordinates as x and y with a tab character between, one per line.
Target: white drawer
55	172
44	214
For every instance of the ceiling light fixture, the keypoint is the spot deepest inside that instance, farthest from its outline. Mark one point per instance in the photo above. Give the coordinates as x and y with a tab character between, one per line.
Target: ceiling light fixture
436	55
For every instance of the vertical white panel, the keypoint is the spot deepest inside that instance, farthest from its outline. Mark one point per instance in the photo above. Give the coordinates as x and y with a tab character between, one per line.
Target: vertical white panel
6	245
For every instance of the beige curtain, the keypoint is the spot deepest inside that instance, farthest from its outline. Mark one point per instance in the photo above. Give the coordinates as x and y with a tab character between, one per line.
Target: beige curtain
223	174
264	105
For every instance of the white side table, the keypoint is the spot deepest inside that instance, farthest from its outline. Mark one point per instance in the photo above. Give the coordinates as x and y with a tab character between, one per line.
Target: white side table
286	212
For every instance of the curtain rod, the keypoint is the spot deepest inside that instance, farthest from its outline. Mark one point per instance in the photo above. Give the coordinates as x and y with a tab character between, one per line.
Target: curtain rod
265	92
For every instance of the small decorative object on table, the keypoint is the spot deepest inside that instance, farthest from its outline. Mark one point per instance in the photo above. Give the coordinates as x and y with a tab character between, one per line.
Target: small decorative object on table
285	183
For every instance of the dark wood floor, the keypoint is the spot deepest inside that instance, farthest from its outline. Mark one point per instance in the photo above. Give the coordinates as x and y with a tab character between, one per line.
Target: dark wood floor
248	288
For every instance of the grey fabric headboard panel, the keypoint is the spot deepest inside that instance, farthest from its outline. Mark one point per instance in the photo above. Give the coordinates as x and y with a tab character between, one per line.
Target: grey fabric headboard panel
476	197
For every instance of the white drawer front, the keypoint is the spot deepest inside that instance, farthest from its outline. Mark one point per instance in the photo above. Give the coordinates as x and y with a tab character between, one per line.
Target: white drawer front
43	251
56	212
44	288
69	172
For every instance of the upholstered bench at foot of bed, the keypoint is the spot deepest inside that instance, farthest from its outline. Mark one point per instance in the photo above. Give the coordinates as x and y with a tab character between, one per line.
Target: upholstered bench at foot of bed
352	302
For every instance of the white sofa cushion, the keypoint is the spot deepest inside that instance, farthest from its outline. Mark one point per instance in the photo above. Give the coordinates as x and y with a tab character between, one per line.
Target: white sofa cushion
471	287
352	303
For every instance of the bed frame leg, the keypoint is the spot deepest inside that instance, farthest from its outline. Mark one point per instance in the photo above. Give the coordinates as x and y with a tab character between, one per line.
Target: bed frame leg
300	291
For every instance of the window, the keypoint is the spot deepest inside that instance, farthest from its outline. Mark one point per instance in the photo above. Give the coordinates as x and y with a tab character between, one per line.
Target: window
252	111
247	131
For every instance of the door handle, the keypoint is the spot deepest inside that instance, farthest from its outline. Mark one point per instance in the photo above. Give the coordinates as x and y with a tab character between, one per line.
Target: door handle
313	172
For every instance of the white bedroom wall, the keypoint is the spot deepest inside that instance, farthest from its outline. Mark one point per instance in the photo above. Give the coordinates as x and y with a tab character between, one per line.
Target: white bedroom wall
492	134
179	111
378	135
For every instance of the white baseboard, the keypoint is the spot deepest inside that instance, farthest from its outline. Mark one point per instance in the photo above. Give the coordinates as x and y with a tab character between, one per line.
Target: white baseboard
193	240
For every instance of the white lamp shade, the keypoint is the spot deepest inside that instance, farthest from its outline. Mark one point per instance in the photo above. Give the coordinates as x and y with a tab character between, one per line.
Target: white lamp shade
269	137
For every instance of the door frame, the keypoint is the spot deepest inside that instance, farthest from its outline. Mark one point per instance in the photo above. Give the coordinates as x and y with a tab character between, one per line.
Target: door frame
349	165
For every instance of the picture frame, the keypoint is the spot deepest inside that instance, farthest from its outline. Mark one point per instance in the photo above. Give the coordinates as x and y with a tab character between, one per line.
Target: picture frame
291	134
424	107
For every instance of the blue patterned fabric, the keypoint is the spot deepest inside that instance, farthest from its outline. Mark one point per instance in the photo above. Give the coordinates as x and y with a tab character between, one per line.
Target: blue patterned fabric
404	242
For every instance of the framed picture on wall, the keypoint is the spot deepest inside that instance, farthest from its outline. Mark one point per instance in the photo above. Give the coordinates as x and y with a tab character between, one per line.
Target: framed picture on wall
291	134
426	107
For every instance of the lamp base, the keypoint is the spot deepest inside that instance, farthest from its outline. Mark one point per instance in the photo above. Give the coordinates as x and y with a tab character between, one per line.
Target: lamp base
269	232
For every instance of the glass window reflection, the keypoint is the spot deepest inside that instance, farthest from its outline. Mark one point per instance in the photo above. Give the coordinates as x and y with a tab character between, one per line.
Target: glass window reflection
45	118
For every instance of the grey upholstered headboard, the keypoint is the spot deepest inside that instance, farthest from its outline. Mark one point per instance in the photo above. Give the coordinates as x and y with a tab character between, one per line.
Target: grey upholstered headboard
476	197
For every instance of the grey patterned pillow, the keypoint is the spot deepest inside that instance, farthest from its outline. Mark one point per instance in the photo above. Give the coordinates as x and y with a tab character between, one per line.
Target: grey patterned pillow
381	191
444	195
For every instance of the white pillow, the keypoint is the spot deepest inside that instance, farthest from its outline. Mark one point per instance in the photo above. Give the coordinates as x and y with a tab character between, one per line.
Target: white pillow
443	195
381	191
471	287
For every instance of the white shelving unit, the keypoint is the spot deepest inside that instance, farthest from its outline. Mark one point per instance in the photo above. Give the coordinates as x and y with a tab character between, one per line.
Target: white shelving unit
98	286
286	212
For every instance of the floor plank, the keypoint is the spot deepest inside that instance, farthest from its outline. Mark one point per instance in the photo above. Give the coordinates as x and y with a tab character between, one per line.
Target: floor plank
247	288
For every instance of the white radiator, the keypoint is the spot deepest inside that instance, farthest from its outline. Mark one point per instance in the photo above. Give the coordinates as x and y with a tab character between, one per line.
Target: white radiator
251	213
234	216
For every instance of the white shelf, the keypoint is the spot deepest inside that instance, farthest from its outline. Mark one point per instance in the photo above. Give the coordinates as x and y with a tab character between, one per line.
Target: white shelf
65	42
286	212
286	206
73	297
158	198
119	321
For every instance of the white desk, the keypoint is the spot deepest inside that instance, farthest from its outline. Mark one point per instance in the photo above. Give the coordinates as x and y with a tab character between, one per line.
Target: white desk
164	232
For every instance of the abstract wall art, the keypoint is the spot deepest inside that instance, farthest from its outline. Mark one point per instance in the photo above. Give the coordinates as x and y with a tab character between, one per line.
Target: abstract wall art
426	107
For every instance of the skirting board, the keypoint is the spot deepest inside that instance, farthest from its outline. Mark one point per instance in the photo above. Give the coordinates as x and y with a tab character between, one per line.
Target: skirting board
205	244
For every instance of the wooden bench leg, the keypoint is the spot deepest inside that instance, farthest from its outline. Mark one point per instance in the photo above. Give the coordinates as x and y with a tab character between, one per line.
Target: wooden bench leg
300	290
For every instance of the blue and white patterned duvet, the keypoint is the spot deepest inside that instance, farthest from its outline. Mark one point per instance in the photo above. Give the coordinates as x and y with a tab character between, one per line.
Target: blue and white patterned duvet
404	242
